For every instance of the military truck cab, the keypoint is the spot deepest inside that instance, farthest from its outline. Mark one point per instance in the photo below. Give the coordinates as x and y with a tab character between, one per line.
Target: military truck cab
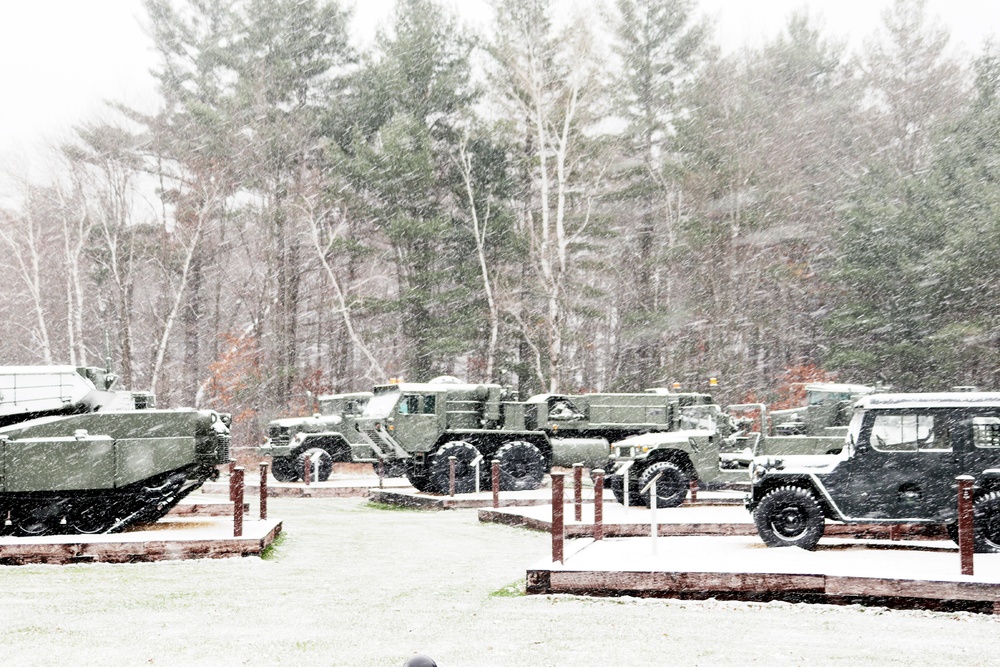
900	458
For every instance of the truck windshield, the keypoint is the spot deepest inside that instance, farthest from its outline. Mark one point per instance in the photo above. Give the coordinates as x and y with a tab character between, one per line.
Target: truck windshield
699	417
381	405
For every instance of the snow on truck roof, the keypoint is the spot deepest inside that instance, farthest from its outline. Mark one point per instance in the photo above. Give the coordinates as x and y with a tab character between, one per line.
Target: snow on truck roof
838	387
947	399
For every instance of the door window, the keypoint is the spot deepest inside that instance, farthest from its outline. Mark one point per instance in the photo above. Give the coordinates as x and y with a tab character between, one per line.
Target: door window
986	432
909	433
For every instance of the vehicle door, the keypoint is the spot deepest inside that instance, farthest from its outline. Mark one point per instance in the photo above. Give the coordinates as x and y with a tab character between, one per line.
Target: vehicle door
981	448
416	423
904	463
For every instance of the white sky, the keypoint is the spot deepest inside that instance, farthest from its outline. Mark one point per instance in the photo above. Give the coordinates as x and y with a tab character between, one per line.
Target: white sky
59	59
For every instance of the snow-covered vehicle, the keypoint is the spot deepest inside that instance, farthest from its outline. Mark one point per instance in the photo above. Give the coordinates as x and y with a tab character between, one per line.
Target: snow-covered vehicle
714	447
326	437
900	458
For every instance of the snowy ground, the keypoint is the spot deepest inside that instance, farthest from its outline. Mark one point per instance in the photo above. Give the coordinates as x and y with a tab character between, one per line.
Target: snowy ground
354	585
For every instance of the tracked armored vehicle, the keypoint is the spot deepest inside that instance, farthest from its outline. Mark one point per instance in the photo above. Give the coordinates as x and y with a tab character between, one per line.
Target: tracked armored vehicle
78	457
326	437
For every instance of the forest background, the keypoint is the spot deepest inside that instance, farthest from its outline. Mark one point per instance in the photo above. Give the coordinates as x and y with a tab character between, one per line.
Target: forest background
593	201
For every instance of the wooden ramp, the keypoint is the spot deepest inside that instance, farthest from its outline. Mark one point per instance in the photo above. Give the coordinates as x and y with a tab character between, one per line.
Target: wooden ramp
920	575
171	538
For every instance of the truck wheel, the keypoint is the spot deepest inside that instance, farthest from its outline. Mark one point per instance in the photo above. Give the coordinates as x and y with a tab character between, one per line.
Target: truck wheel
325	463
986	523
789	516
438	471
283	469
418	478
522	466
671	488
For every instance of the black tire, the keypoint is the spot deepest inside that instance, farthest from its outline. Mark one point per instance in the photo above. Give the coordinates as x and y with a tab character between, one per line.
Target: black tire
789	516
671	488
418	478
617	485
986	523
522	466
283	469
438	471
325	463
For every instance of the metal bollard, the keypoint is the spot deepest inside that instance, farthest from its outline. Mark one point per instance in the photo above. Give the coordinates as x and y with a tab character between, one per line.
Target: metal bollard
495	475
238	503
966	533
381	471
557	517
263	490
452	462
598	504
693	488
232	482
306	469
578	491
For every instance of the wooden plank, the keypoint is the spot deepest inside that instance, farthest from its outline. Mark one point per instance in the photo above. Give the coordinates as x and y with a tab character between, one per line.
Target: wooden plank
685	582
909	588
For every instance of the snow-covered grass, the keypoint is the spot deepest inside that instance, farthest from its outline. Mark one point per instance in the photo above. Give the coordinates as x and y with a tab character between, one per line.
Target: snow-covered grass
355	585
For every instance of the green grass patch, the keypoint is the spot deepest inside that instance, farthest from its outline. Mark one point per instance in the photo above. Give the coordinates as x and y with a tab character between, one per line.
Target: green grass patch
271	551
392	508
512	590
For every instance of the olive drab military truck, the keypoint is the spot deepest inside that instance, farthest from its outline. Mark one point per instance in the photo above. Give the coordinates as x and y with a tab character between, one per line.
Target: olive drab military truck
422	425
79	457
326	437
714	447
900	458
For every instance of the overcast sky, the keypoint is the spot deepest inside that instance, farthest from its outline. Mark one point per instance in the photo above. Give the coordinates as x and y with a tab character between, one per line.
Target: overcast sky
60	58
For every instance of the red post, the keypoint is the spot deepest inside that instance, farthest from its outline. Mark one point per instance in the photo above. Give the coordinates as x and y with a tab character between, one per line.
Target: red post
966	535
557	517
232	481
693	488
895	531
578	491
598	504
263	490
238	503
306	469
452	461
495	474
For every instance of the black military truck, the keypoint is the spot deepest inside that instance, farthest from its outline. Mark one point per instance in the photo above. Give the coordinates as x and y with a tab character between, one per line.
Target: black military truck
325	438
898	464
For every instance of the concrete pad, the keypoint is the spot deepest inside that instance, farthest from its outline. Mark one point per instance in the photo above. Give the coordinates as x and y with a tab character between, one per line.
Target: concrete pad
909	574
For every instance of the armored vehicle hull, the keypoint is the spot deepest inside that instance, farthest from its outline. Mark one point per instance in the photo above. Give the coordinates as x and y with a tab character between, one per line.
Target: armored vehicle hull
90	466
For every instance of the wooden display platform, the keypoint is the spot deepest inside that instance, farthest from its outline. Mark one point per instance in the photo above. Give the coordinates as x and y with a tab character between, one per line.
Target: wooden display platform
410	497
199	505
921	575
335	487
687	520
170	538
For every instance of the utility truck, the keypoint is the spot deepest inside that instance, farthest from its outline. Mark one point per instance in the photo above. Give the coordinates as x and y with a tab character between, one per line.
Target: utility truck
325	437
423	425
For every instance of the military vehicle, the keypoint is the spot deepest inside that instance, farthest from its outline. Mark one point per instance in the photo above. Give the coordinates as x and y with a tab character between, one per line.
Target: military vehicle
422	425
79	457
900	458
715	447
326	437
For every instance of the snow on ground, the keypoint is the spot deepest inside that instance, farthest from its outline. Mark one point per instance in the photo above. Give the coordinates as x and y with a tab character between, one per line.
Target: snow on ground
355	585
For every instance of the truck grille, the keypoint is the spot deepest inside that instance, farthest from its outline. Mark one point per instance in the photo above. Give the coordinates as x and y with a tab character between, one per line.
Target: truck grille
225	441
278	435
